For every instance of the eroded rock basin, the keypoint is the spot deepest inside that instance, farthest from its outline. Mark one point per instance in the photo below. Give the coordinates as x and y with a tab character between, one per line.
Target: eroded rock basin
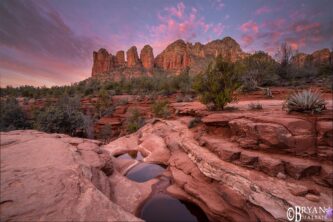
160	206
163	207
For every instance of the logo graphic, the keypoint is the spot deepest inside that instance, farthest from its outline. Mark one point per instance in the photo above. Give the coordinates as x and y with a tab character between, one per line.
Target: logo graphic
329	213
294	214
297	213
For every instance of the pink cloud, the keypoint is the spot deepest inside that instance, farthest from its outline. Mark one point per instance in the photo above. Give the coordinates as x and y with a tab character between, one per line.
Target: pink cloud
218	4
218	29
249	26
247	39
180	22
263	10
177	11
307	26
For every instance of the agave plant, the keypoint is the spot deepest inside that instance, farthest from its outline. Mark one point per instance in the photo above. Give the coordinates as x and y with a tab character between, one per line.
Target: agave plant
305	101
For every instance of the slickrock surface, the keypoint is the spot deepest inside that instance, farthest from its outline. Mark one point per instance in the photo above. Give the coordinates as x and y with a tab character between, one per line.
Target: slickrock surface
240	165
53	177
227	181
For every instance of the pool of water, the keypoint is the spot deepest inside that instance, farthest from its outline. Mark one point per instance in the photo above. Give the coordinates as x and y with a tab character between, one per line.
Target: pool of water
163	207
144	172
131	155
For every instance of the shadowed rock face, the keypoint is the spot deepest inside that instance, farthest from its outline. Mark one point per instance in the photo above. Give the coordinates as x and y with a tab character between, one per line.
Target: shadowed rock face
53	177
132	57
147	57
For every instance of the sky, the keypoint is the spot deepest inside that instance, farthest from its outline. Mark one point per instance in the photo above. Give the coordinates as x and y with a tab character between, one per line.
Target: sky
50	42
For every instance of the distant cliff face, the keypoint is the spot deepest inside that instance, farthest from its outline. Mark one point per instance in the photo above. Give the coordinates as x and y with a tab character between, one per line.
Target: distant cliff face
176	57
180	55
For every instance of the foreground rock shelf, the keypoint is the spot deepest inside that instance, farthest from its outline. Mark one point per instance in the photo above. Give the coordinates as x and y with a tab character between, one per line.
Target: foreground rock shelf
237	166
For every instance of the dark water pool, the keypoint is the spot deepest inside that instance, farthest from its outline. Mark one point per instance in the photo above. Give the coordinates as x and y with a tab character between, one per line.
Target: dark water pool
163	207
131	155
144	172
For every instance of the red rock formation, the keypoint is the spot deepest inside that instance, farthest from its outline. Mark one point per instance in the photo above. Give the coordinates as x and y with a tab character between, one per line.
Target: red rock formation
103	62
147	57
132	57
300	59
228	48
317	58
175	57
198	50
120	58
320	57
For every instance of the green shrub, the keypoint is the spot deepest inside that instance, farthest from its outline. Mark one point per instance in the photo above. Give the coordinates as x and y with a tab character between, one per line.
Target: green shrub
105	133
217	83
103	103
305	101
258	69
161	109
64	117
255	106
11	116
135	121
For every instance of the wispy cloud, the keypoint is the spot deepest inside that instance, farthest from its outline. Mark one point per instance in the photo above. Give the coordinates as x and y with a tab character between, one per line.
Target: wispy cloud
263	10
37	33
180	22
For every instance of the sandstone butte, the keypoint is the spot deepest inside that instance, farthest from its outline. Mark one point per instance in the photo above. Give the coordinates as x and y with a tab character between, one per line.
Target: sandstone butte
180	55
237	166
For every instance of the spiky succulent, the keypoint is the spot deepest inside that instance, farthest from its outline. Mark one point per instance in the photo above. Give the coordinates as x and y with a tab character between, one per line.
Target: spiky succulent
305	101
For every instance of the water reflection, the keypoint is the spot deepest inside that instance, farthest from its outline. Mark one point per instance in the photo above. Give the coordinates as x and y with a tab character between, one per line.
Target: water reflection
163	207
145	171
